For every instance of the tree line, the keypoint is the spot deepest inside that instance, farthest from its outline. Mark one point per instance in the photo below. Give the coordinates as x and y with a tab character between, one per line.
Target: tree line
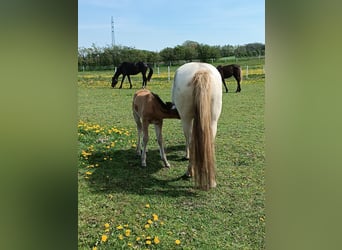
111	56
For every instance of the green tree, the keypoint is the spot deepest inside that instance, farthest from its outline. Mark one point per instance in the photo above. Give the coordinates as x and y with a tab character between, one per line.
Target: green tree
167	55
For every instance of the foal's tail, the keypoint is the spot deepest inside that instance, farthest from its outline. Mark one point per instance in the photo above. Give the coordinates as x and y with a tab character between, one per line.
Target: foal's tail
202	144
149	73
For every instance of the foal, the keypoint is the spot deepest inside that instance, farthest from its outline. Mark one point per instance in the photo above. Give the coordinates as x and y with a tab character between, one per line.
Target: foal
149	108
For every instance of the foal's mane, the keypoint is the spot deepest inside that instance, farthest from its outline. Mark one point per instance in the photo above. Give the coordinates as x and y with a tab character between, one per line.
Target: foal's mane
164	105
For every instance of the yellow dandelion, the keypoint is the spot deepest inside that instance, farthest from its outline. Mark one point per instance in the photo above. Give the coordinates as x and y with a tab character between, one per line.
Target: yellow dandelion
149	221
104	238
128	232
106	230
129	244
119	227
147	205
147	226
148	238
155	217
106	225
156	240
177	242
138	239
84	153
88	173
148	242
94	248
120	237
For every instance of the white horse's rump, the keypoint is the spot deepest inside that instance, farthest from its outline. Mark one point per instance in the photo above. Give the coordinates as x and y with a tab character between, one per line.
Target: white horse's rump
197	94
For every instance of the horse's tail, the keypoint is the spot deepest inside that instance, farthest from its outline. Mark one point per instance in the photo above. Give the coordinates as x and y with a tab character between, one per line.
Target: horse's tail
202	142
149	73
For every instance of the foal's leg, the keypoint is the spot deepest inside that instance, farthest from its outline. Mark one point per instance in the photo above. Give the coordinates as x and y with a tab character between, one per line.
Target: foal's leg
145	140
158	128
139	128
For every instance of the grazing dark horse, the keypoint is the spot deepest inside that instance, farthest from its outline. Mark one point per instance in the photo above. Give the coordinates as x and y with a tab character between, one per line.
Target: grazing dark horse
228	71
127	69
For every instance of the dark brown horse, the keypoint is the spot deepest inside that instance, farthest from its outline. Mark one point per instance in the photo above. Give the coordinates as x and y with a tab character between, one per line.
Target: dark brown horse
127	69
228	71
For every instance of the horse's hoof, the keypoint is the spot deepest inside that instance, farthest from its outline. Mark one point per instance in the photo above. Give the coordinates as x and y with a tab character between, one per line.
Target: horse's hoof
186	176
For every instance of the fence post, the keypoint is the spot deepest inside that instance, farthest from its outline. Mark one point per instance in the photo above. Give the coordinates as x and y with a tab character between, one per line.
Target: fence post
158	70
168	73
247	72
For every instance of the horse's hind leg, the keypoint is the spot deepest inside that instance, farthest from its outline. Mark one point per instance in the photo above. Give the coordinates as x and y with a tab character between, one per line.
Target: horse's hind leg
187	129
158	128
238	80
130	83
224	83
144	83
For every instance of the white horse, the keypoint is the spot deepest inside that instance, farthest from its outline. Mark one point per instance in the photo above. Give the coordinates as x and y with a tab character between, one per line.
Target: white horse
197	95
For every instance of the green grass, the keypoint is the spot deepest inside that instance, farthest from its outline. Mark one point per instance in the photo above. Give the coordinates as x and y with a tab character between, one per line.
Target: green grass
114	189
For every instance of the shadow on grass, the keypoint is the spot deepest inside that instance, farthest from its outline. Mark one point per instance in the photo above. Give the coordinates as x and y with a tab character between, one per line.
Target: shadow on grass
124	173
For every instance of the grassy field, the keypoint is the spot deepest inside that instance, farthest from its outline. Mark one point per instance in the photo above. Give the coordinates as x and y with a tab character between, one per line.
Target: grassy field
122	206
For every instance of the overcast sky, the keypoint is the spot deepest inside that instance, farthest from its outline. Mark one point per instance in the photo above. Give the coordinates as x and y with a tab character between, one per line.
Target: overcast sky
156	24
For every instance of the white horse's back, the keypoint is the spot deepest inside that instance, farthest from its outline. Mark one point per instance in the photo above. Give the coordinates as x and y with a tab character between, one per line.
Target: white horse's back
182	90
197	94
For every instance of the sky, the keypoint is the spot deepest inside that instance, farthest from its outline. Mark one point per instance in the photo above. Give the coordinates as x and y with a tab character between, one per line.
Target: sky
157	24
